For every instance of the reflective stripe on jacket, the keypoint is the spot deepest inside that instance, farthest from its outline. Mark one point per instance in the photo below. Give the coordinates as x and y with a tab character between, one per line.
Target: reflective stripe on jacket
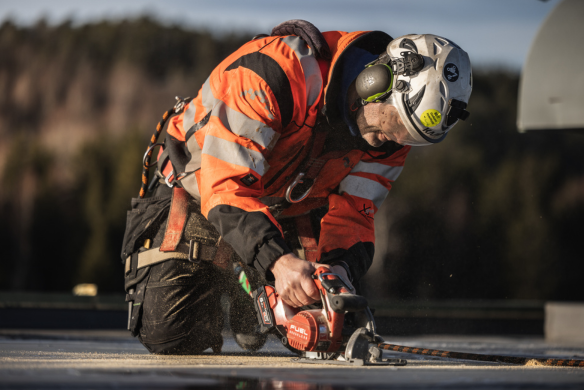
244	136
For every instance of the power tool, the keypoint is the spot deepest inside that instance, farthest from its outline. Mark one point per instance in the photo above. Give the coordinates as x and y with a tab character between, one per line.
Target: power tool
339	330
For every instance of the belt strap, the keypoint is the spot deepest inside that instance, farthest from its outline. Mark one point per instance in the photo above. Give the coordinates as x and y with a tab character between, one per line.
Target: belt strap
223	256
306	236
177	219
155	256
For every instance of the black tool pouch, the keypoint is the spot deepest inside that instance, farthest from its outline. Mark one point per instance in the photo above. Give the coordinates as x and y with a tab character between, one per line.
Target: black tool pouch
144	221
135	285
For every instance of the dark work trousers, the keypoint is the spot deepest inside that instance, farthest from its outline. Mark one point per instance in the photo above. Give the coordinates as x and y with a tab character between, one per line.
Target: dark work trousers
181	313
181	310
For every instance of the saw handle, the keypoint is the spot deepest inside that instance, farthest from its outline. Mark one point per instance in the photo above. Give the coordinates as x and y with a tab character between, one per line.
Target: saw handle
330	282
339	294
348	302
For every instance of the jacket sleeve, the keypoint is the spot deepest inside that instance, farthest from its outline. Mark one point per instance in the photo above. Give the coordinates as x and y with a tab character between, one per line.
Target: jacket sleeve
249	100
245	123
347	230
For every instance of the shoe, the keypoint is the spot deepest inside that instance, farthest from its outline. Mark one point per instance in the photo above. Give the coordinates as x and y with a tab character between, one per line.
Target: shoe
217	346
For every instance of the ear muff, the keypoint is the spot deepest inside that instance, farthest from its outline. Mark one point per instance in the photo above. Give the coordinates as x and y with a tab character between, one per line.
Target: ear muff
374	82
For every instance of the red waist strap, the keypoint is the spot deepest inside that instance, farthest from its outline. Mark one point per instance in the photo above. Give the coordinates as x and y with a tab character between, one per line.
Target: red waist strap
176	219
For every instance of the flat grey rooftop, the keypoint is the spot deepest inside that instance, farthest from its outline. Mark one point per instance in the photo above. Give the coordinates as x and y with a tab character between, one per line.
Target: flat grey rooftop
108	359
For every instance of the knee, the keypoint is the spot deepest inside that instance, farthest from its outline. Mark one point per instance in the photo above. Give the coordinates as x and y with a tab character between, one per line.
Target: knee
188	329
181	316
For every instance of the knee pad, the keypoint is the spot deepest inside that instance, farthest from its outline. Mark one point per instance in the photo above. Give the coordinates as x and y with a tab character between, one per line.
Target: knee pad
182	312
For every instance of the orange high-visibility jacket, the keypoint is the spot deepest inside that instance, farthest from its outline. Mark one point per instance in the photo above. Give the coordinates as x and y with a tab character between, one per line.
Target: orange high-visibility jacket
242	139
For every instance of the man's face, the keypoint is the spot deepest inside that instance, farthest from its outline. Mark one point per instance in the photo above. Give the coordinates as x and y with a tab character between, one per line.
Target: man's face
379	123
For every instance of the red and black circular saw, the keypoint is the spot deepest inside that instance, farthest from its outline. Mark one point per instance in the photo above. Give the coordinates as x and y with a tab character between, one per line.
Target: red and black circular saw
340	331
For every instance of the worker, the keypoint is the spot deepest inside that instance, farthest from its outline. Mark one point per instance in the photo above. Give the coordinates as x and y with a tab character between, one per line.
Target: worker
280	162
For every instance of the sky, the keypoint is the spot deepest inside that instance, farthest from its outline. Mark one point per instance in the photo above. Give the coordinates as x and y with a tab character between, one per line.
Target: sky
495	33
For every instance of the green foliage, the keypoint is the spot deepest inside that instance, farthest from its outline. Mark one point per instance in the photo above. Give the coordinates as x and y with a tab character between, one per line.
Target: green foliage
108	173
488	213
44	69
41	232
65	192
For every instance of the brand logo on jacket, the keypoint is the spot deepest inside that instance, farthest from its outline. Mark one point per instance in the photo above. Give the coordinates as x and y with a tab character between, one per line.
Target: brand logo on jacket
249	180
367	211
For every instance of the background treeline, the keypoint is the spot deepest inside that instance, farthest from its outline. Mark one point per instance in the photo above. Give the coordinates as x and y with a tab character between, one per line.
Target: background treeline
489	213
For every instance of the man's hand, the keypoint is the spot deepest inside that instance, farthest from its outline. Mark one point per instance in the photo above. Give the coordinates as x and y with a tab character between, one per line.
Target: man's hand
294	281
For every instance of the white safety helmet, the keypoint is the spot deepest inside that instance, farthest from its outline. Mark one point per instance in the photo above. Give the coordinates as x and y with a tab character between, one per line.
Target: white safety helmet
427	78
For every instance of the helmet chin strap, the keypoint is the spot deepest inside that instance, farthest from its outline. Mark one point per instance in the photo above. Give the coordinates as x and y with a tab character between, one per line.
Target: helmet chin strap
358	103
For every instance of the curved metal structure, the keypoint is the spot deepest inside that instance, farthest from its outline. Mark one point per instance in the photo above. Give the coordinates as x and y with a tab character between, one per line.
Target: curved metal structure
551	91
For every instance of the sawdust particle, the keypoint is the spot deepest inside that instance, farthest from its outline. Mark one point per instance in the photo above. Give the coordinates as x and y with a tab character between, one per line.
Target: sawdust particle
534	363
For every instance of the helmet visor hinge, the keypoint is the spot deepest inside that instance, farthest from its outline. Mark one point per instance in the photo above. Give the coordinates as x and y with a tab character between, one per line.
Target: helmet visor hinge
409	64
457	110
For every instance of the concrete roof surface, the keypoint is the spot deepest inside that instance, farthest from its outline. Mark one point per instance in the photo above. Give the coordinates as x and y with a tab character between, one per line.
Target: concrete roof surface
113	359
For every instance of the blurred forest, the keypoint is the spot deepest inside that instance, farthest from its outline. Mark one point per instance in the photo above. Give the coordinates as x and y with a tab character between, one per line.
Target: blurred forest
487	214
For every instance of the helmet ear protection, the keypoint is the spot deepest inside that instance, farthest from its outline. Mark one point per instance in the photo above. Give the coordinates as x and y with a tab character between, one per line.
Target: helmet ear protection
374	84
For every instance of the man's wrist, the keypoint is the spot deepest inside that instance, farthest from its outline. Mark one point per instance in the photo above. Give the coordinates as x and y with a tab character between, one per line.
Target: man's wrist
270	252
278	261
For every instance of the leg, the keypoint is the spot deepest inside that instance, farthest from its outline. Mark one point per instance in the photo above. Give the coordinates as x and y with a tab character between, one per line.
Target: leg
181	310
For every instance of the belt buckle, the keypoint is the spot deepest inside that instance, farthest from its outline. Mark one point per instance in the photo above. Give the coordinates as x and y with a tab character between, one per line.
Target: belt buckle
194	252
167	179
180	103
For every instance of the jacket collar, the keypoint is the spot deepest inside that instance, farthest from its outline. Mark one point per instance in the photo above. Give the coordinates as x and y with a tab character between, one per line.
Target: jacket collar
350	52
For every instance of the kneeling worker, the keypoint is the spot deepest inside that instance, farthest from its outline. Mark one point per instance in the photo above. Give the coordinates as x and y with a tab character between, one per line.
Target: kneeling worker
281	162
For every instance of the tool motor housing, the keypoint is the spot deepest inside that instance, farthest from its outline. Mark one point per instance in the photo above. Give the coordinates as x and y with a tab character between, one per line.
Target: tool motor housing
314	330
308	331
